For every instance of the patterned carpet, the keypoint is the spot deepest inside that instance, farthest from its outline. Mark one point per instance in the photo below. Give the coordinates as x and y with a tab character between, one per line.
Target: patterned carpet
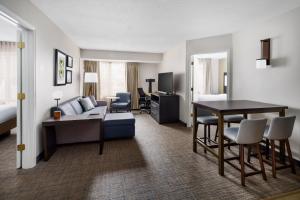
157	164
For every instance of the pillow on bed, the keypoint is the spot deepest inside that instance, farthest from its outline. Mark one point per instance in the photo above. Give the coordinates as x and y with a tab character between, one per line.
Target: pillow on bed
87	104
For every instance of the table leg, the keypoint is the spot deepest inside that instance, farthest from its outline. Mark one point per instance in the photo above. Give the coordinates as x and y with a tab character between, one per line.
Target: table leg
194	128
49	141
281	143
110	109
221	144
101	137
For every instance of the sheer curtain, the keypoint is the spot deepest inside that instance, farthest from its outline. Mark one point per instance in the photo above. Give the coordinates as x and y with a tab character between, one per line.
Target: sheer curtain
112	78
8	72
202	77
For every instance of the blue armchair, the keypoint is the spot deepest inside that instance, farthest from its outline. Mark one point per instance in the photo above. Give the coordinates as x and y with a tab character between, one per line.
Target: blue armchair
123	103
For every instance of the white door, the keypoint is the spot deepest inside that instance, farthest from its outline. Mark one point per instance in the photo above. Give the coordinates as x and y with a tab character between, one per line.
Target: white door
20	100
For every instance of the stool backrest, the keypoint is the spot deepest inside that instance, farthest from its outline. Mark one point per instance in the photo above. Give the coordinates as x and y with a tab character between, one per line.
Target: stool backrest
251	131
281	128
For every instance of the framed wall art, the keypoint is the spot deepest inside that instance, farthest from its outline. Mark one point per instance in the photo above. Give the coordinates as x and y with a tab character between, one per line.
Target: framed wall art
60	68
69	76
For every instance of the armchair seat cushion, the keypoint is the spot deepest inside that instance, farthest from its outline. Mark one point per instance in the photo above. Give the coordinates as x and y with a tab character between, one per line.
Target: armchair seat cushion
119	105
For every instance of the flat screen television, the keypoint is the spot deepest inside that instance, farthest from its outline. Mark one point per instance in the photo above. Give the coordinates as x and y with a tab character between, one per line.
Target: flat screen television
165	82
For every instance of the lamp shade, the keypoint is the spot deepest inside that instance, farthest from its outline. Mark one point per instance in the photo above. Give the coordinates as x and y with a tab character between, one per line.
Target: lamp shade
57	94
261	63
90	77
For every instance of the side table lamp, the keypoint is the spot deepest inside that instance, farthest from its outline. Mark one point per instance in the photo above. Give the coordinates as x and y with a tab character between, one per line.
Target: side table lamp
57	95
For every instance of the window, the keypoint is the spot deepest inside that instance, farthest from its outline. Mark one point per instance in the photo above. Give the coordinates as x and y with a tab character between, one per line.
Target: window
112	78
8	71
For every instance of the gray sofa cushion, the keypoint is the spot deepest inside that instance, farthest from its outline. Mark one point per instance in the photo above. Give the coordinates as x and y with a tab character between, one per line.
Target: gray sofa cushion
93	100
67	109
87	104
100	110
76	106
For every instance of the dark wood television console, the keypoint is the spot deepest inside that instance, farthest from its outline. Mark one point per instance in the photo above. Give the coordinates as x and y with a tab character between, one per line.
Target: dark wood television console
165	108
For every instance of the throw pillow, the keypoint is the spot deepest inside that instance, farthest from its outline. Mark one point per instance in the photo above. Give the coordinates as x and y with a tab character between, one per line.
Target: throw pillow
87	104
93	100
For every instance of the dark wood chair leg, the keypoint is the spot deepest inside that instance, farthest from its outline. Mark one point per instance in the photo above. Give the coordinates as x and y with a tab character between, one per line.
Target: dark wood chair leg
262	167
196	127
208	135
273	158
242	164
249	153
216	134
228	144
288	148
205	127
267	149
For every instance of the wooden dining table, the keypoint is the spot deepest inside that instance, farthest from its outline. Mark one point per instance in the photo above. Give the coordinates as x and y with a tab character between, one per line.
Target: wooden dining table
230	107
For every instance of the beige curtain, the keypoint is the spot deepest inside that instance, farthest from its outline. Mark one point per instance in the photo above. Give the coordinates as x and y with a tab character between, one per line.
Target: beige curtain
91	66
8	72
132	83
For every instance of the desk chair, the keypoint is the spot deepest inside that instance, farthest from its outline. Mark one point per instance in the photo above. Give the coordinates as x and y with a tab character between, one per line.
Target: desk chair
144	101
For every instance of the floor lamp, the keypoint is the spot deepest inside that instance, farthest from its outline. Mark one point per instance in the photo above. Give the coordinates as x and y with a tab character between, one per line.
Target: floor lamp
90	77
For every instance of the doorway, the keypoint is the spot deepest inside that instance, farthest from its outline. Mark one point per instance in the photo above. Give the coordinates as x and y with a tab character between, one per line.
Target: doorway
208	78
17	88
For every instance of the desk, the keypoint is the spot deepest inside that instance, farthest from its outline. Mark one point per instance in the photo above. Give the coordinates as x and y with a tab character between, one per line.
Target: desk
221	108
49	130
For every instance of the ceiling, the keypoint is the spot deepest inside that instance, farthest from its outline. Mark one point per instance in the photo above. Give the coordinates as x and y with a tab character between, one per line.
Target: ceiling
154	25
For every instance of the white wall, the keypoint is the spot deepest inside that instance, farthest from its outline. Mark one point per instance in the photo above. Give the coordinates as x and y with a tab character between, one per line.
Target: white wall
222	43
121	55
48	38
279	84
146	71
8	31
174	60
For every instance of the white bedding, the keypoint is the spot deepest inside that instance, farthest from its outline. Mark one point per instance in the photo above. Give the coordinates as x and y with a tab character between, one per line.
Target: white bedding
7	112
212	97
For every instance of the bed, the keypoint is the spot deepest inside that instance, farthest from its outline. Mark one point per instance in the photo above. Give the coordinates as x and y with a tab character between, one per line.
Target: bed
211	97
8	118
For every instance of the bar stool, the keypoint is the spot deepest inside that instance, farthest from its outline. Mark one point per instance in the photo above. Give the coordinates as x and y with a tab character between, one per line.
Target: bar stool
230	119
280	129
207	119
250	132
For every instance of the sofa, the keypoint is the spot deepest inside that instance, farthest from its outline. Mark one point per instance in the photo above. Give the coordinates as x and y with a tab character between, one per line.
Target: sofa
116	125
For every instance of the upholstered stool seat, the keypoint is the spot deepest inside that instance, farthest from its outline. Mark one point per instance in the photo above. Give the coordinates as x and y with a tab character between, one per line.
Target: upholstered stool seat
207	119
119	125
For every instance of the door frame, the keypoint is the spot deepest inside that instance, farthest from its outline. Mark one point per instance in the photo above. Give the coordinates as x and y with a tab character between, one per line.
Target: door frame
29	125
189	81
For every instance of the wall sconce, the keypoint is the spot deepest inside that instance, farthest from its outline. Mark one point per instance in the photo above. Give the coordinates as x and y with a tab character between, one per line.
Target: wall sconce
264	61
